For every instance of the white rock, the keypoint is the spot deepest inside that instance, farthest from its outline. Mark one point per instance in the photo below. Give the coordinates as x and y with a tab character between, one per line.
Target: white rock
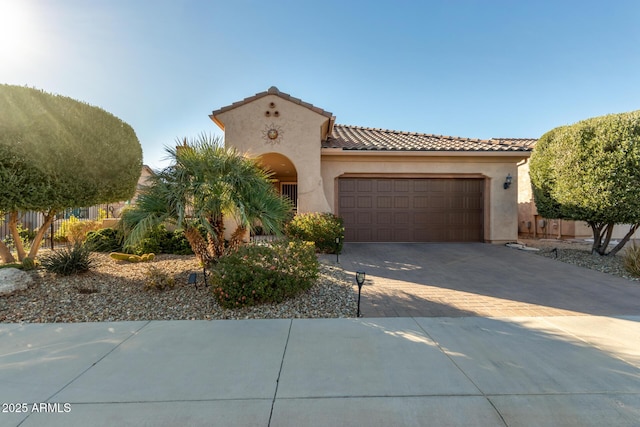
514	245
12	279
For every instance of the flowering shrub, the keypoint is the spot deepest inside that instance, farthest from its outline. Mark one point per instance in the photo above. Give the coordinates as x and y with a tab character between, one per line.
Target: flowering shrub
320	228
74	230
256	274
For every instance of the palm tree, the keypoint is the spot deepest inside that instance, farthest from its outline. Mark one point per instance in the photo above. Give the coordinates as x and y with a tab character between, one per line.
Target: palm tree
205	184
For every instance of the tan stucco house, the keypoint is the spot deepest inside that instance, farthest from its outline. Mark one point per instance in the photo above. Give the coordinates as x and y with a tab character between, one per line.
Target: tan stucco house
388	186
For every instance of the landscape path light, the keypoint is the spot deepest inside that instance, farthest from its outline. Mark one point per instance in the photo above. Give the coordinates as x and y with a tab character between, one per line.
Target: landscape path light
360	276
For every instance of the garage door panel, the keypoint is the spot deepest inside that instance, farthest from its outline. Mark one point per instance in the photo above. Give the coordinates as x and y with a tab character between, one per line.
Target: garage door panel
364	202
401	202
384	218
384	185
422	186
421	210
385	235
364	218
364	186
401	185
384	202
437	201
364	235
474	203
421	202
347	202
347	186
420	219
401	218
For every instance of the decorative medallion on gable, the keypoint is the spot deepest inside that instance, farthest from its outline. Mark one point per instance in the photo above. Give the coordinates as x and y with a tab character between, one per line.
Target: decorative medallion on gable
272	134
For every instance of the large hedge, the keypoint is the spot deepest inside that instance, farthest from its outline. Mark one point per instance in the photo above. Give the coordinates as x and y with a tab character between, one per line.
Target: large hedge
57	153
590	171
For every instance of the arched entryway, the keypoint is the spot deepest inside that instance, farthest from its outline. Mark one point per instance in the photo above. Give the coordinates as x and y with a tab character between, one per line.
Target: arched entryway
285	175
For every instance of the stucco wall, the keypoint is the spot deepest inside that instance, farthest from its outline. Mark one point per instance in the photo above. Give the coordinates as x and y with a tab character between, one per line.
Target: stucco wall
501	208
299	130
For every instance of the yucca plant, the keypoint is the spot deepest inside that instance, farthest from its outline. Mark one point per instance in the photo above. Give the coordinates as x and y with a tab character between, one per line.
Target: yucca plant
70	260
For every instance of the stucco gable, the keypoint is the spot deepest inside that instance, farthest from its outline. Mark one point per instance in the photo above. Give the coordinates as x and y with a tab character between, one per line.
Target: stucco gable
271	91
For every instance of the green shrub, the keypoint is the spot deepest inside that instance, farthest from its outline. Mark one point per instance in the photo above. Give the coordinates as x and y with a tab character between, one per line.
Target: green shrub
320	228
104	240
256	274
632	259
70	260
158	280
179	245
28	264
161	241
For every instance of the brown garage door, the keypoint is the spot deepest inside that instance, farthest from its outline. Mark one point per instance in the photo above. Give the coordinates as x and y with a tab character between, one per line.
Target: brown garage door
411	210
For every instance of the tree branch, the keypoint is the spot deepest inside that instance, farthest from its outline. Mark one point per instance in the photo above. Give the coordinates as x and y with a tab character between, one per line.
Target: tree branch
35	245
624	240
17	240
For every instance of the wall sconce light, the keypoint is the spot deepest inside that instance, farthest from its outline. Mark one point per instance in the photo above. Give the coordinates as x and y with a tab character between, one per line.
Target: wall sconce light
507	181
360	276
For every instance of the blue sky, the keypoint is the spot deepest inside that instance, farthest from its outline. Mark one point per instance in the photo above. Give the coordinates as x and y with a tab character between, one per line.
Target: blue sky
470	68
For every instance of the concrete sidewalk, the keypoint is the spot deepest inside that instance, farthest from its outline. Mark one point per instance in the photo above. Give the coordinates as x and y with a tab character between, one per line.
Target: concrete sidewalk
466	371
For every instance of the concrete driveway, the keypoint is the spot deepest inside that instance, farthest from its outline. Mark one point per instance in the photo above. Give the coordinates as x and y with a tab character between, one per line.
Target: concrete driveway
467	279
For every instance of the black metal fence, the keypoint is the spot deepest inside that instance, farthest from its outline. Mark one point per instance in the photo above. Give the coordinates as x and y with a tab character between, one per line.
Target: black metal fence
56	234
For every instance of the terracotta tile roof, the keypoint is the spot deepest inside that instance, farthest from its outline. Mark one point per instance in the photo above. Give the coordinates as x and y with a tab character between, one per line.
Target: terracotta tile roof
370	139
273	91
520	142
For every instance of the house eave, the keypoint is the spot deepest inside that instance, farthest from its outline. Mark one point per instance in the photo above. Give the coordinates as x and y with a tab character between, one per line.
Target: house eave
425	153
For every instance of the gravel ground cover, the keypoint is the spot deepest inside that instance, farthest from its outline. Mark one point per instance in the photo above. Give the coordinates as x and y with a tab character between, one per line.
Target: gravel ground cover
114	291
578	252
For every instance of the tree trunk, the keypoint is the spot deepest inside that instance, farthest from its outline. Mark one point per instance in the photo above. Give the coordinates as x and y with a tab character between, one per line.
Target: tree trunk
5	253
604	244
35	245
236	237
597	236
198	245
216	241
624	240
17	240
